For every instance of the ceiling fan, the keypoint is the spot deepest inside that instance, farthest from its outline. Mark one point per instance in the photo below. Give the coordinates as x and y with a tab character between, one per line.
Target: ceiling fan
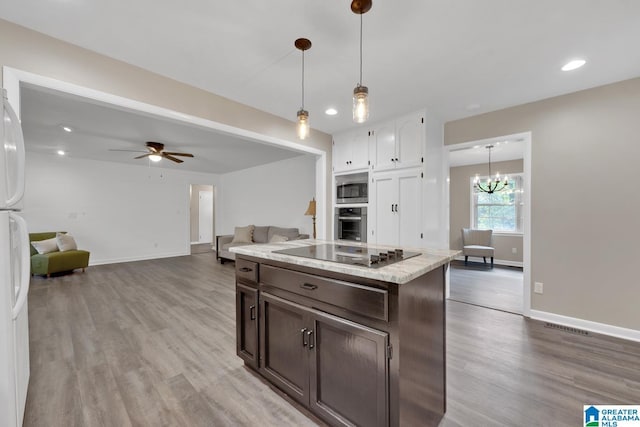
155	152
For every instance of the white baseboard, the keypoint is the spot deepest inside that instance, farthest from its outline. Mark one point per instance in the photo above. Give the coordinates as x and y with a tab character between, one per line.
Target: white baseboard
137	258
599	328
495	261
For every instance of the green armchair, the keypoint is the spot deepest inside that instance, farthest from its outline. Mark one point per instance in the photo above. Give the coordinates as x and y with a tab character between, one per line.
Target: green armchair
55	262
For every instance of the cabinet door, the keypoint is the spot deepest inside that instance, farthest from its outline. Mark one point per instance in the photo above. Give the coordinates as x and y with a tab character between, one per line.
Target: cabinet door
349	372
386	219
409	209
247	324
284	358
410	136
359	150
385	146
341	153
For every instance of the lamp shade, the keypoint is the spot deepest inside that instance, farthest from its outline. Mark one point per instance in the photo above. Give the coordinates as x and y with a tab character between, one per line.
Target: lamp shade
311	210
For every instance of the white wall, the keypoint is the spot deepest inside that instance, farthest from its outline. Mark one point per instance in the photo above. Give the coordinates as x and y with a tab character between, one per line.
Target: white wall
273	194
584	207
118	212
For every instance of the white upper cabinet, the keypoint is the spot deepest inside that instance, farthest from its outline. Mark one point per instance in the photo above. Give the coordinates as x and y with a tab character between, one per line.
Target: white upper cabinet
400	143
351	151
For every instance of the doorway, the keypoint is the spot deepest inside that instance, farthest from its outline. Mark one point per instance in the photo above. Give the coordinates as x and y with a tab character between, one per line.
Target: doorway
505	287
202	217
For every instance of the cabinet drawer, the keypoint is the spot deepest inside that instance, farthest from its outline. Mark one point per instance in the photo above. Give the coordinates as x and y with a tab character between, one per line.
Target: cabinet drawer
364	300
247	270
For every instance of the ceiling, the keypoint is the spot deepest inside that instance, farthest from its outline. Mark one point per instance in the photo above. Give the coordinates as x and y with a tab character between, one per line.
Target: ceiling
99	128
502	150
456	58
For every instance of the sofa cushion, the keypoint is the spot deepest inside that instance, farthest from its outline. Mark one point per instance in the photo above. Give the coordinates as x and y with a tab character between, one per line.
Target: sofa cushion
276	238
55	262
45	246
243	234
289	233
261	234
66	242
228	246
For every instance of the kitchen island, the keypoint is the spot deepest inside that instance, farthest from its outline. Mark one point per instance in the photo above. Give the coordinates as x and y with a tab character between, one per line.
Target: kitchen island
355	344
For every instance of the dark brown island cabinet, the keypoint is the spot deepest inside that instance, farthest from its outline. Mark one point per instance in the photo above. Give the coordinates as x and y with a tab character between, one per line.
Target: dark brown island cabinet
354	351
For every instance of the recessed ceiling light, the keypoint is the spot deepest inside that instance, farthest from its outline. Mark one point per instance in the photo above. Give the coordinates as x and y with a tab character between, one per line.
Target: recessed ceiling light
66	128
61	153
331	112
573	64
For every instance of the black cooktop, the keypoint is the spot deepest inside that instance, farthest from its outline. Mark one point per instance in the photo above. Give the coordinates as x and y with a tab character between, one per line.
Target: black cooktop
353	255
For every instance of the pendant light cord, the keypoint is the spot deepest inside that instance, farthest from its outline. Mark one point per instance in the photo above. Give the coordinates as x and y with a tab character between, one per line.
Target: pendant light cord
360	84
302	108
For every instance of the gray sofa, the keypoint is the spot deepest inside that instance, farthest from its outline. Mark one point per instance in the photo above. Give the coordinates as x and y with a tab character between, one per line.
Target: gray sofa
261	234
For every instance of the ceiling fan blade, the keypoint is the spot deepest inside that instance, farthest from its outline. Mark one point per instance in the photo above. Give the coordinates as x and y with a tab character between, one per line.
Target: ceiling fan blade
143	156
178	154
170	157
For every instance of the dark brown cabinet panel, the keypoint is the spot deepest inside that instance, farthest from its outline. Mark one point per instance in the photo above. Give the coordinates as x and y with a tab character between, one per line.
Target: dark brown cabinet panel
336	367
247	324
349	375
283	346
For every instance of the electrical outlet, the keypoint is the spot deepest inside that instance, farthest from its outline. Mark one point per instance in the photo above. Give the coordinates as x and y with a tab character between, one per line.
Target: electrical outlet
514	250
538	287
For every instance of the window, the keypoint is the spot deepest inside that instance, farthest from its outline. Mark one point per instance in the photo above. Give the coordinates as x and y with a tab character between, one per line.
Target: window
500	211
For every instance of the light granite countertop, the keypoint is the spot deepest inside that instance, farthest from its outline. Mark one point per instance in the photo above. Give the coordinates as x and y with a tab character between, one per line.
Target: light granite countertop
399	272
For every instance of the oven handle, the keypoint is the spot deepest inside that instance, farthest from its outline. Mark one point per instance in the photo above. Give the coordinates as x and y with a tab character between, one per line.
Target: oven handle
350	218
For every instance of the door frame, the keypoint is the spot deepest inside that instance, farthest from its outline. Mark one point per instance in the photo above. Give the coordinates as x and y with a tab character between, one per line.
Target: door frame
526	238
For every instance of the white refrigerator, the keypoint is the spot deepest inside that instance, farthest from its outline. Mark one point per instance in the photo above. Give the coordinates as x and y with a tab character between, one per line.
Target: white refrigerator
14	273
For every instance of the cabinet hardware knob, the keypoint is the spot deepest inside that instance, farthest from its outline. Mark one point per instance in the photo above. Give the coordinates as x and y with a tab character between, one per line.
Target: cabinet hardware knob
302	331
396	207
311	341
309	286
396	159
245	269
392	159
252	312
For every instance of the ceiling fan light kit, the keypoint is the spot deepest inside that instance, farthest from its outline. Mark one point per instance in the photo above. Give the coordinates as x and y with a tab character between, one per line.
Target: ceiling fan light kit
157	153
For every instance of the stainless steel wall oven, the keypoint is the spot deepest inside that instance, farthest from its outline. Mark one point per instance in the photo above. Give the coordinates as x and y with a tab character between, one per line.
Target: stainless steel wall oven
351	224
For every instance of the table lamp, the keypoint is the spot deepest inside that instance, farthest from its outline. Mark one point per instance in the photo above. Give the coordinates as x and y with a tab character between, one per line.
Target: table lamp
311	211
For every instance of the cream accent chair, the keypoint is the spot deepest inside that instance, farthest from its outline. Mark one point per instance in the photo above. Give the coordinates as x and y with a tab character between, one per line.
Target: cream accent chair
477	243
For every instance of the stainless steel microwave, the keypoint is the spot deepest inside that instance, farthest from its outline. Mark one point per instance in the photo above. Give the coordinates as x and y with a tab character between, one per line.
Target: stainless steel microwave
352	188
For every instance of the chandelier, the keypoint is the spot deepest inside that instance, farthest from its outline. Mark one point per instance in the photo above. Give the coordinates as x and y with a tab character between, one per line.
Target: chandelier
491	185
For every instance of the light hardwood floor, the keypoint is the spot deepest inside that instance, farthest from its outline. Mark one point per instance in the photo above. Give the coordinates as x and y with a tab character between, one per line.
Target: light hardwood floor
500	287
152	343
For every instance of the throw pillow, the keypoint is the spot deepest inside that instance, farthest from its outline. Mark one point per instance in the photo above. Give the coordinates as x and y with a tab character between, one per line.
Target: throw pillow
66	242
46	246
243	234
260	234
289	233
277	238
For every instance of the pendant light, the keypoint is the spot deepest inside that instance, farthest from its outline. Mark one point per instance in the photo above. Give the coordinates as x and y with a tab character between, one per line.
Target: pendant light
491	185
360	93
303	115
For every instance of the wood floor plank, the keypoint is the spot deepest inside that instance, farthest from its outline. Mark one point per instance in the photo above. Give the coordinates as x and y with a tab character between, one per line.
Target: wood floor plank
152	343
